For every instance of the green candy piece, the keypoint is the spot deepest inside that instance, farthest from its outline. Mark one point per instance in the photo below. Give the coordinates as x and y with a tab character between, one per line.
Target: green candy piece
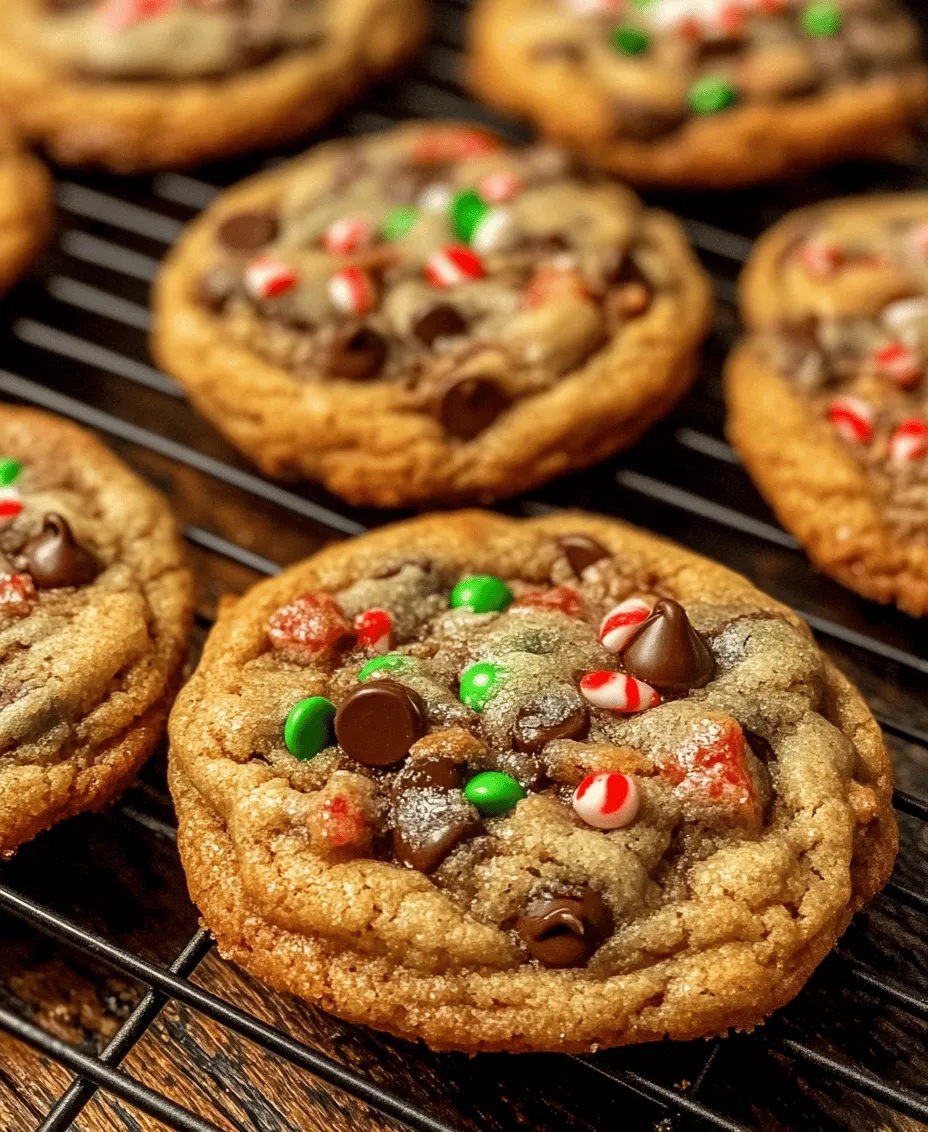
468	211
711	94
481	594
493	792
480	683
821	19
308	729
400	222
392	662
630	40
9	471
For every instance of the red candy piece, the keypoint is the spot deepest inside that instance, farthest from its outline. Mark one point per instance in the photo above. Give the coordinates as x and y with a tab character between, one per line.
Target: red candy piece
621	623
121	14
453	264
551	285
311	624
342	823
266	277
852	418
346	236
607	801
820	258
897	363
732	19
563	599
909	442
374	628
453	143
352	291
17	595
614	691
10	503
497	188
710	768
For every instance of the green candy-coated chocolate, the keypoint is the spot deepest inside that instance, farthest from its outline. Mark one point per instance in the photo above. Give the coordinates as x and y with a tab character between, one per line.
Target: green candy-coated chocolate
468	211
480	683
392	662
493	792
629	40
710	95
481	593
9	471
821	19
308	729
400	222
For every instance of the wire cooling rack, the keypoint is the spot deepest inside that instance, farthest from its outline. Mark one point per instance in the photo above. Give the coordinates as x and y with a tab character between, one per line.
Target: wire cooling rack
849	1053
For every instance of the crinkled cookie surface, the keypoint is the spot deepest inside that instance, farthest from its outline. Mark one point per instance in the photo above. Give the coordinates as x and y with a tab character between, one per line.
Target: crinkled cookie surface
95	607
526	785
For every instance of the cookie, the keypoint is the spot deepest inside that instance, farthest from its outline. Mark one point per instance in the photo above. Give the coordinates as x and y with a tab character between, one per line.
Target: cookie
95	608
151	84
26	209
708	93
827	393
526	785
426	315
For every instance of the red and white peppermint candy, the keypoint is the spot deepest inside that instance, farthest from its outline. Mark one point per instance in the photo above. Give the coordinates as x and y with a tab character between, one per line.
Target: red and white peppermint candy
435	198
496	232
897	363
497	188
348	235
616	692
121	14
11	503
821	258
267	277
374	628
352	291
909	442
453	264
621	623
607	801
852	418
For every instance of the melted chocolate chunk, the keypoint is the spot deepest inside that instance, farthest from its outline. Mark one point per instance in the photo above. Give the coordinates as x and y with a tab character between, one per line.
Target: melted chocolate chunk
468	405
357	353
668	653
581	551
547	717
247	231
55	559
378	722
644	122
432	814
564	931
440	321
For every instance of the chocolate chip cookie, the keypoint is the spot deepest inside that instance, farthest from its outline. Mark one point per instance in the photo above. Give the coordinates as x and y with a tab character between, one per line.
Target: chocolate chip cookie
149	84
705	92
95	607
827	394
426	315
26	214
526	785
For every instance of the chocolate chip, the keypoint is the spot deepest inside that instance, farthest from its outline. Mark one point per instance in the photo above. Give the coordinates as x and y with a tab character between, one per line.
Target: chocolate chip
432	815
440	321
404	184
357	353
559	51
581	551
564	931
379	721
667	652
468	405
644	122
548	717
55	559
247	231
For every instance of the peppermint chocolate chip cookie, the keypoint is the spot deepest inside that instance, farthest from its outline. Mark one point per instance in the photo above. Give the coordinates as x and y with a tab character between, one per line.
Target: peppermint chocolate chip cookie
705	92
827	394
25	207
148	84
95	608
426	315
537	785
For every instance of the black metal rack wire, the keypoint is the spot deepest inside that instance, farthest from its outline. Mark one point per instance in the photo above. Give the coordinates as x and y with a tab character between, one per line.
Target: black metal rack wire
75	345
